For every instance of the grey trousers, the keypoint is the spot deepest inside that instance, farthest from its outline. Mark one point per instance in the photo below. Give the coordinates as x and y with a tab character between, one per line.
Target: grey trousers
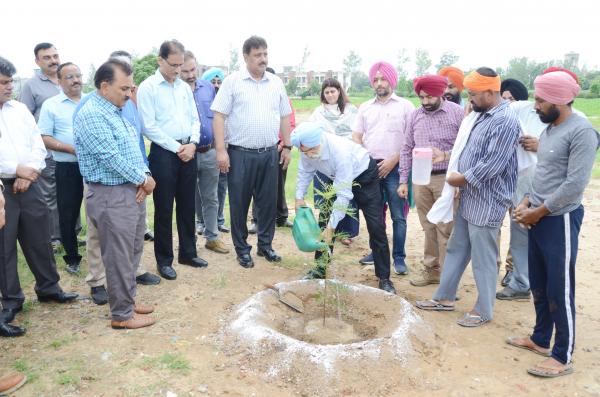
27	220
121	223
519	248
477	243
207	201
47	183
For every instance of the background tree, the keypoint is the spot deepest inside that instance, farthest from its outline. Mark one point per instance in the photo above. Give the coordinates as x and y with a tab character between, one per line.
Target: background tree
89	86
404	87
233	60
448	58
292	86
359	80
144	66
422	61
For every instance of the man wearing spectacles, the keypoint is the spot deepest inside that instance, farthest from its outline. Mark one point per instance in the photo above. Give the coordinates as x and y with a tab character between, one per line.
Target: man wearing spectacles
170	120
56	124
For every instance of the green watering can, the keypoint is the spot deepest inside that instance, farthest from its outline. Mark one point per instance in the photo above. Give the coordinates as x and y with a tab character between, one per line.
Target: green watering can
306	231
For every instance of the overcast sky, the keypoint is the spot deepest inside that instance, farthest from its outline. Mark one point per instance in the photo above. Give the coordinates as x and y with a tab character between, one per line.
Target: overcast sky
482	33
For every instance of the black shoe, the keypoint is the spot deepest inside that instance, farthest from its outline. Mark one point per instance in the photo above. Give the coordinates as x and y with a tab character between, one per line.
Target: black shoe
223	229
147	279
509	294
81	243
285	223
7	315
10	331
148	236
99	295
73	268
194	262
387	286
318	273
252	228
506	278
167	272
60	297
245	260
270	255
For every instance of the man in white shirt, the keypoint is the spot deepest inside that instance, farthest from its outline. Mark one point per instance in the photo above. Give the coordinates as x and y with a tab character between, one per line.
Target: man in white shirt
355	175
22	156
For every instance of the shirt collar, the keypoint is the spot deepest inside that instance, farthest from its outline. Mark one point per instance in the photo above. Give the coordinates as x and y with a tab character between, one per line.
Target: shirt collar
161	79
42	76
246	75
106	104
392	97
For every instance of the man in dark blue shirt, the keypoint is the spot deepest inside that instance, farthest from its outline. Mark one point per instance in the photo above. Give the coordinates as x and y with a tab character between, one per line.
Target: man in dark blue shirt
207	202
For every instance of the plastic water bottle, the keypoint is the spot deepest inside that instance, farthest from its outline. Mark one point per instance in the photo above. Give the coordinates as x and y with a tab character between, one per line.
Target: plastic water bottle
421	166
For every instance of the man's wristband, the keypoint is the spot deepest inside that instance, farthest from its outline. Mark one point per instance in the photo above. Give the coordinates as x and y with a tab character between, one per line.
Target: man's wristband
288	147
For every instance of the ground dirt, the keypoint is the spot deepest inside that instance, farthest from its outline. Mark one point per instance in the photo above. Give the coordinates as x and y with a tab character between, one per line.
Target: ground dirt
70	350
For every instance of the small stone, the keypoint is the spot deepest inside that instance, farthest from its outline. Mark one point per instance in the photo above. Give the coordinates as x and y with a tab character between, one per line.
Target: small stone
106	356
171	394
203	389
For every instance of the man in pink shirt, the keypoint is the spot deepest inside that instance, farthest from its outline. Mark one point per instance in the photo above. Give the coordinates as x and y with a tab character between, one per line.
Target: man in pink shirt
380	127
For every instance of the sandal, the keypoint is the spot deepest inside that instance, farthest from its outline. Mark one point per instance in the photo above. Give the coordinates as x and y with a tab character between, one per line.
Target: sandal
434	305
550	372
471	320
513	341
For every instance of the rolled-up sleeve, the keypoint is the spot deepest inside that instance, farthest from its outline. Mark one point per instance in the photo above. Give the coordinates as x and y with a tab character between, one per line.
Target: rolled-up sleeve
223	102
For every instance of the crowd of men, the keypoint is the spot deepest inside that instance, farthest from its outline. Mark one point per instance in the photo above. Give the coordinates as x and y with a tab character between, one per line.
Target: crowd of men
495	153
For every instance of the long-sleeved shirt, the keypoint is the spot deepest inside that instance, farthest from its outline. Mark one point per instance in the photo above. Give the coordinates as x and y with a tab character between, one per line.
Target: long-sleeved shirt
204	95
20	140
566	155
56	120
107	145
489	164
35	92
129	113
430	129
168	112
383	125
341	160
254	109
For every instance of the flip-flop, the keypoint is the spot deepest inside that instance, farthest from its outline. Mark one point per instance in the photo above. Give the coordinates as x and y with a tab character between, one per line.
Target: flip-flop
433	305
512	341
546	372
471	320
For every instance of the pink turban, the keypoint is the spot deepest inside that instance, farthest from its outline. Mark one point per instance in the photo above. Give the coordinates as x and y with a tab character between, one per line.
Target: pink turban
558	88
388	71
559	69
432	84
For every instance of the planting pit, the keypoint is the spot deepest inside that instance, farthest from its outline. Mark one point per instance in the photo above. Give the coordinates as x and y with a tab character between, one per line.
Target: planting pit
361	329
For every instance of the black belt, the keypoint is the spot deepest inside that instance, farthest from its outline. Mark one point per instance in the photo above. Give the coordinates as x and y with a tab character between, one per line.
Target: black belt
205	148
259	150
8	181
438	172
184	141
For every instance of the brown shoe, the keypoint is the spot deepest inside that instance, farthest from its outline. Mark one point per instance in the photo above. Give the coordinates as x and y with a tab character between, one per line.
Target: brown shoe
135	322
217	246
10	383
425	279
142	309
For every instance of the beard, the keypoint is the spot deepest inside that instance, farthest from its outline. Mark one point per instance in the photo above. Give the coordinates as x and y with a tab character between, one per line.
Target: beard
216	89
383	92
433	107
477	109
452	98
549	117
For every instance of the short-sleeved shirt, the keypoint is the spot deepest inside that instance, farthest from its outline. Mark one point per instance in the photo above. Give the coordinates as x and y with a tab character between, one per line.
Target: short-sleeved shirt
35	92
382	125
56	120
253	108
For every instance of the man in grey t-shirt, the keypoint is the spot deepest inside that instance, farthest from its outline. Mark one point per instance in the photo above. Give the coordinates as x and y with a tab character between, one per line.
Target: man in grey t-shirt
553	212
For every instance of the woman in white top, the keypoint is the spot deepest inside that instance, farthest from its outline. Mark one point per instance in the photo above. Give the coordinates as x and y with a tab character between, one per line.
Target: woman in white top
337	115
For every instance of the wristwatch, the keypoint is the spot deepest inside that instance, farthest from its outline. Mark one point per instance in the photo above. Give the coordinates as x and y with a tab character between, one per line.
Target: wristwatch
288	147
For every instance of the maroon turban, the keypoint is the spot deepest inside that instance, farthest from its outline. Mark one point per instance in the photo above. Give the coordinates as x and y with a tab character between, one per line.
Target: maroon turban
432	84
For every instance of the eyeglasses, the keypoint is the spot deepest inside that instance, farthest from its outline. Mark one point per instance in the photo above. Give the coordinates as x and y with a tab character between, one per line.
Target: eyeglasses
173	65
73	76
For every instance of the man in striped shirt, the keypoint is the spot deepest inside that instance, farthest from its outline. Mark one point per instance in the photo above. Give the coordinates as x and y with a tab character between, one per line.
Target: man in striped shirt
486	177
435	124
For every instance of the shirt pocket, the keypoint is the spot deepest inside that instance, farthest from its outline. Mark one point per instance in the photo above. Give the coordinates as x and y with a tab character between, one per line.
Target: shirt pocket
394	123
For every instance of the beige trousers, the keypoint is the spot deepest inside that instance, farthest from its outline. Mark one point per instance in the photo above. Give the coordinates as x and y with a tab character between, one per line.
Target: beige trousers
436	236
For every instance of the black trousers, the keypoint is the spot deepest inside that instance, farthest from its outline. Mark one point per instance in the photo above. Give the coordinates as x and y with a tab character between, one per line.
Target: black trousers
252	173
367	194
175	182
282	209
27	220
69	195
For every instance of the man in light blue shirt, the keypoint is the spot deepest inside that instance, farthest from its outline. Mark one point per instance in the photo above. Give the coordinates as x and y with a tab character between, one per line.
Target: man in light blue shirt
56	124
170	120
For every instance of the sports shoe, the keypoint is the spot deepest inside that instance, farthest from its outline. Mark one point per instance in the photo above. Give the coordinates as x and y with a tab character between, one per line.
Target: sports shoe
400	267
509	294
367	260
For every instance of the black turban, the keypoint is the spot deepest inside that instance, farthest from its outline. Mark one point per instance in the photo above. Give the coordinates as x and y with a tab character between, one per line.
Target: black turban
516	89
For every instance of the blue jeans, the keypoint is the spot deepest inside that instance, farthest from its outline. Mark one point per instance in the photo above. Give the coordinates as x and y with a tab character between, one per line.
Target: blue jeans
389	186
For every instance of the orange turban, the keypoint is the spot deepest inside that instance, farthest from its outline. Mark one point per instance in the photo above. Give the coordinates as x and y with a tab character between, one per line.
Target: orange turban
477	82
454	74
